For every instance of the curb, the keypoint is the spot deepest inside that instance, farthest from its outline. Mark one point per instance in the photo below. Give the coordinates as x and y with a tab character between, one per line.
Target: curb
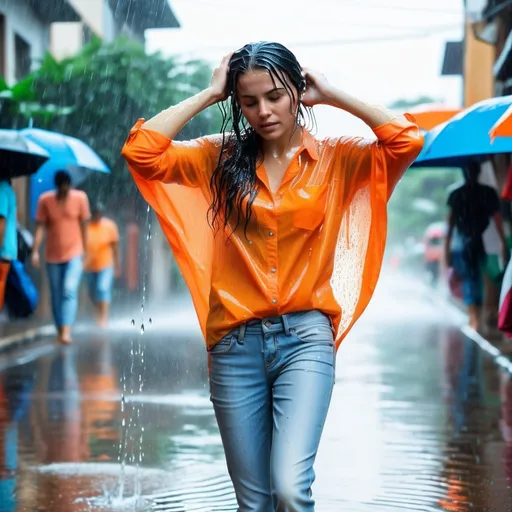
22	338
503	360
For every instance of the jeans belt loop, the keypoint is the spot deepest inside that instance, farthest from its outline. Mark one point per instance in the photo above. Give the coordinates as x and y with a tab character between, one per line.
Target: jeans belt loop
286	325
241	333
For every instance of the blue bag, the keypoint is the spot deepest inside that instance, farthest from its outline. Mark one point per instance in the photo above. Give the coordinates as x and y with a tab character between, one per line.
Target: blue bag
21	296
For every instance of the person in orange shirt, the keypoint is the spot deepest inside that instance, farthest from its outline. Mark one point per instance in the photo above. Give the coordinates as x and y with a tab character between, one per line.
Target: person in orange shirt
102	261
280	237
62	214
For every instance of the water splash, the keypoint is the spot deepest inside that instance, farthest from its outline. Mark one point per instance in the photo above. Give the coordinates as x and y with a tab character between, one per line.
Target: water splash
132	439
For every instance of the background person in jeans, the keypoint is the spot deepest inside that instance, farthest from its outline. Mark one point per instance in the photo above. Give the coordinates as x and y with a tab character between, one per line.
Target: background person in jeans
63	215
471	206
102	261
8	236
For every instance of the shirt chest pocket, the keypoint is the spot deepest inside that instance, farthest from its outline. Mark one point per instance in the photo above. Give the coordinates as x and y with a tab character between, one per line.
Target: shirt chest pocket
309	204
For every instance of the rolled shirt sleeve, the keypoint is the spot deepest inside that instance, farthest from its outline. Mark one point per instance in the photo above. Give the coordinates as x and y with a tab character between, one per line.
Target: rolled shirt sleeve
41	211
85	212
385	159
154	157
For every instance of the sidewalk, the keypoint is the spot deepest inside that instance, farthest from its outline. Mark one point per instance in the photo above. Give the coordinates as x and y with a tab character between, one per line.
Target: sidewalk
492	342
19	332
14	334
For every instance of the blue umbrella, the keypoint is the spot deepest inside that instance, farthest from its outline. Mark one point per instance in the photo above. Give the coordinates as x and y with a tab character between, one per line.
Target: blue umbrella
466	136
66	153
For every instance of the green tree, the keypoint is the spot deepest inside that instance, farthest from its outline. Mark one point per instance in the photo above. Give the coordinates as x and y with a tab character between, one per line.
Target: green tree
419	200
420	196
98	95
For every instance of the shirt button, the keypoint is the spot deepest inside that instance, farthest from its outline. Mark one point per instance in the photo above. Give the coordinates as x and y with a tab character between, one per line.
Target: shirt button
274	301
273	270
271	233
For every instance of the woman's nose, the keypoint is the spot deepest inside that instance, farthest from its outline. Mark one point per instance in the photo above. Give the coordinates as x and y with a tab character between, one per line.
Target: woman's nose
264	110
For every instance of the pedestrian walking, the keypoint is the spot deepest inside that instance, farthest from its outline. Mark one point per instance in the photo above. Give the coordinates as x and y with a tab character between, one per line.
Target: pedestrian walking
280	238
62	216
472	206
102	262
8	233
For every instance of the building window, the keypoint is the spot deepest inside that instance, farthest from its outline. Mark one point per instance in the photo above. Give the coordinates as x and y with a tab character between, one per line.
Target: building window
22	55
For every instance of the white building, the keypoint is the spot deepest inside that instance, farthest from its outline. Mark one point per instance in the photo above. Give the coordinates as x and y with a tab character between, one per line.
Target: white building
30	28
25	33
108	19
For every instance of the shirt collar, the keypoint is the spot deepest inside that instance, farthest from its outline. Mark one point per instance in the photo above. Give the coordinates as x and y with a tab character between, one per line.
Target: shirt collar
309	144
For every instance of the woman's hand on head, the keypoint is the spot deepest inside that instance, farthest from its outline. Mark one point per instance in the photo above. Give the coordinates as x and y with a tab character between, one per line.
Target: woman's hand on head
317	88
218	83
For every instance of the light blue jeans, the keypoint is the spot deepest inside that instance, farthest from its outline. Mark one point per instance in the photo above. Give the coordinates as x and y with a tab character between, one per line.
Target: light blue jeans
100	284
271	383
64	281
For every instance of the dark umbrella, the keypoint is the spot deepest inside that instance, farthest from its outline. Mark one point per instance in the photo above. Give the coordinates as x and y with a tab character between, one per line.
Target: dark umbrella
19	156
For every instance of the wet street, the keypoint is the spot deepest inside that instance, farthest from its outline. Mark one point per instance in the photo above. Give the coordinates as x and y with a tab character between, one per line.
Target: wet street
421	419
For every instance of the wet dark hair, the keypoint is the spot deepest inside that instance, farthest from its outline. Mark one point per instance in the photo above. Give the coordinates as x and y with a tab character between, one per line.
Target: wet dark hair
98	208
62	178
235	175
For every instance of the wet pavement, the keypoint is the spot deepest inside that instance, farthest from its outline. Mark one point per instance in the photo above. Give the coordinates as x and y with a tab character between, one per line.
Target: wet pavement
421	419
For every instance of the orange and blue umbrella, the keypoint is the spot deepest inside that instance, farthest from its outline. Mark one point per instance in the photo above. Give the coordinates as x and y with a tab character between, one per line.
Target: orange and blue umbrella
503	126
466	136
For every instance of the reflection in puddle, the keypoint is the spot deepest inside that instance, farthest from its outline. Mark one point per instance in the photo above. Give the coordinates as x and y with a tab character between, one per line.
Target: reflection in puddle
419	421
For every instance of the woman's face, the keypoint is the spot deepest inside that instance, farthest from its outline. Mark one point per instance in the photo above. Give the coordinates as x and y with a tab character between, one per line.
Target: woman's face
267	106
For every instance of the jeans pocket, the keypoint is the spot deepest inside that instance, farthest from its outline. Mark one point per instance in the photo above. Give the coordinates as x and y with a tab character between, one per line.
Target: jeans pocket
223	345
319	333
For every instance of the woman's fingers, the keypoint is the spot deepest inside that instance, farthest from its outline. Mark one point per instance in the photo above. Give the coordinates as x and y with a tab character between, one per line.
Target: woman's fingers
227	57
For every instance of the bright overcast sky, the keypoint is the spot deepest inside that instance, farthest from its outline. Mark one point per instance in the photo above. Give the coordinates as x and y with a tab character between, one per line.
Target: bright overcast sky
379	50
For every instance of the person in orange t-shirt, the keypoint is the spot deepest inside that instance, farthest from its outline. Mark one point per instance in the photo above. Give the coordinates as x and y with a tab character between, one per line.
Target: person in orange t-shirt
102	261
62	215
280	237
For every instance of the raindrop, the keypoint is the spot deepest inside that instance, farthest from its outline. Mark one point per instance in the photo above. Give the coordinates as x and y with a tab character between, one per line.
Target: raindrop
150	321
133	322
142	308
142	329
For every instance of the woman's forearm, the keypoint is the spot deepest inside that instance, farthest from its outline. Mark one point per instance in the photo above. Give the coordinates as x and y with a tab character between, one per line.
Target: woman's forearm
372	115
170	121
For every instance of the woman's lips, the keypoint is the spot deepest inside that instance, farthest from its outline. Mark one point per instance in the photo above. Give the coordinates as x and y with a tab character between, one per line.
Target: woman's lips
268	126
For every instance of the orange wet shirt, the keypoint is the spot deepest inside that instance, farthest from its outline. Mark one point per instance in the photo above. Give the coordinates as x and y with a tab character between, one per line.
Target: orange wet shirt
317	243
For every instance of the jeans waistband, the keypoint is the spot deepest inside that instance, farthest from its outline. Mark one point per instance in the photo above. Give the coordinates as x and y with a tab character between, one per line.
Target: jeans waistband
278	323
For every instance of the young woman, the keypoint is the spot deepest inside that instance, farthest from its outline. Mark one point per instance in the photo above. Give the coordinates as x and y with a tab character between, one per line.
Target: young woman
280	237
